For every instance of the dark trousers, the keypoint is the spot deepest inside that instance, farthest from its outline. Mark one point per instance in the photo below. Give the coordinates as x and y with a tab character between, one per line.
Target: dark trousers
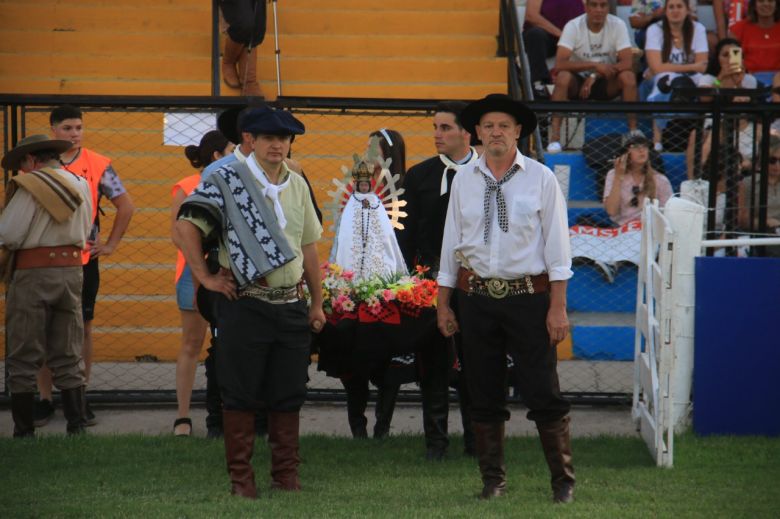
539	45
491	328
435	361
246	20
263	354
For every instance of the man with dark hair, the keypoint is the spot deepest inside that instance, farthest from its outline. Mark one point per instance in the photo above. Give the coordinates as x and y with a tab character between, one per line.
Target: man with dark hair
506	250
67	124
260	216
44	227
426	193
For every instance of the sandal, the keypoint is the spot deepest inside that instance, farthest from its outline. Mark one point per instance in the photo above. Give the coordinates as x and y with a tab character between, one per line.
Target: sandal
182	421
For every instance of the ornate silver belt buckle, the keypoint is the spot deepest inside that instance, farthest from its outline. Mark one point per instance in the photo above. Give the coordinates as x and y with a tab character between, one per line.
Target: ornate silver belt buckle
497	288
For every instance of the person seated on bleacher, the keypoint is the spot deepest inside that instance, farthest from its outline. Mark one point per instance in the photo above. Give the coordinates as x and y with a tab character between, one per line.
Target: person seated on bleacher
544	20
594	61
676	46
748	197
775	130
631	181
724	72
645	13
726	14
760	36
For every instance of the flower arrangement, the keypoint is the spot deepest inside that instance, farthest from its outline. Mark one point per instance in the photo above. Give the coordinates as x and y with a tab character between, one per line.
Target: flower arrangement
343	295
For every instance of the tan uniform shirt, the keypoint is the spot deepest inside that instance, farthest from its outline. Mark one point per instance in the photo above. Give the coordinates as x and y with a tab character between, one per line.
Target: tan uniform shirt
302	229
24	224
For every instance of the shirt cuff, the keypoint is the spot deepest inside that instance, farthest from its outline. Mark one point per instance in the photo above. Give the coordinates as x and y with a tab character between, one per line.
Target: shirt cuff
200	223
446	280
560	273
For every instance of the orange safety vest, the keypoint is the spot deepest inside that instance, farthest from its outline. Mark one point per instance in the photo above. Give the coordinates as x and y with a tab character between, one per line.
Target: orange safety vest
91	166
187	185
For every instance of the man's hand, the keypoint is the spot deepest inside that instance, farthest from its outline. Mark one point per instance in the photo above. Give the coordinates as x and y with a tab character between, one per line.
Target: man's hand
99	249
586	87
606	70
445	320
316	318
557	324
222	282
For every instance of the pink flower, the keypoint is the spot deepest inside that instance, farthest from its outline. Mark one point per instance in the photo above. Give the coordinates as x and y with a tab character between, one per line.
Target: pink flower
348	275
348	306
388	295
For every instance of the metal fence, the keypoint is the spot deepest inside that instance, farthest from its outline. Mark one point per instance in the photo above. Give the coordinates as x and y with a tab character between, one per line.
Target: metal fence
136	327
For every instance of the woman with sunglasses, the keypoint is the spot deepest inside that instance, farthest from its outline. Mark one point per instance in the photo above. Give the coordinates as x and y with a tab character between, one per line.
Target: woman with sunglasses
748	196
631	181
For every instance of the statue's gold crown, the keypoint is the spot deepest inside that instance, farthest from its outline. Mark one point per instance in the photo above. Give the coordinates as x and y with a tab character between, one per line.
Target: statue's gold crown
361	172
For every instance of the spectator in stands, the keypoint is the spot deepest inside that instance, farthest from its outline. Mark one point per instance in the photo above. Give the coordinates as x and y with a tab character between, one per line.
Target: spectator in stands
676	46
544	20
760	36
727	13
594	61
213	146
246	31
643	14
776	99
67	124
632	181
724	72
748	196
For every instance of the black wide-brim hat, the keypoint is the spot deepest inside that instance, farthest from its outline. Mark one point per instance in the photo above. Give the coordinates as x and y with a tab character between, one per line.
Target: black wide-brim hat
227	123
524	116
265	120
31	144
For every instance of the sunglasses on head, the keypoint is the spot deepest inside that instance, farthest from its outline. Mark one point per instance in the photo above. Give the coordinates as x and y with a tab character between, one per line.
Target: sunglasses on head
635	190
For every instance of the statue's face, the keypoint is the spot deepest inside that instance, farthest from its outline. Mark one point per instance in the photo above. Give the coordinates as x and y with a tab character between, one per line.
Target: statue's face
363	187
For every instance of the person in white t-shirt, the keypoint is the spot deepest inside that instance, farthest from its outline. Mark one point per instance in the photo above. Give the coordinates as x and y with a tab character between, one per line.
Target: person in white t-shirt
676	46
594	61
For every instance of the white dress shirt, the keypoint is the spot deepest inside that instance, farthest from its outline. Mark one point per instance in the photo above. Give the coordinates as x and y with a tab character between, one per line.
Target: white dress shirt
538	236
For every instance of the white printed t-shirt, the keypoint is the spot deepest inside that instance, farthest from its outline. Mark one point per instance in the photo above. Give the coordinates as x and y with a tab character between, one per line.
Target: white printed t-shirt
600	47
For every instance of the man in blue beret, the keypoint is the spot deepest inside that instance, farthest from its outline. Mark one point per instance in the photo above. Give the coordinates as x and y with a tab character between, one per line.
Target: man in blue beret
260	216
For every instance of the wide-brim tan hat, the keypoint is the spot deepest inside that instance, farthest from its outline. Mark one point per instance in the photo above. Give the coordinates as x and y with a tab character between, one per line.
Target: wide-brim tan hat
31	144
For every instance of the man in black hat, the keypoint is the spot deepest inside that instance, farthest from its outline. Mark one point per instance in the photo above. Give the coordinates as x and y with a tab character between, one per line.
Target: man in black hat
43	229
426	191
506	249
261	217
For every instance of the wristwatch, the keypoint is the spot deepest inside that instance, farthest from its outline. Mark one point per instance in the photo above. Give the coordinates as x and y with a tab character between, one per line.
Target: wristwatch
594	76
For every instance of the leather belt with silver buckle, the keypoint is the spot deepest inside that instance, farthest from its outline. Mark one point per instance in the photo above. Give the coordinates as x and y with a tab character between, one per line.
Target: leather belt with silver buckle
497	288
275	295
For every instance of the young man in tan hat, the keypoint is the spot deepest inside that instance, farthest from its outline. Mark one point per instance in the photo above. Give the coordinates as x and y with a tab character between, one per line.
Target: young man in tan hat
506	249
261	218
44	227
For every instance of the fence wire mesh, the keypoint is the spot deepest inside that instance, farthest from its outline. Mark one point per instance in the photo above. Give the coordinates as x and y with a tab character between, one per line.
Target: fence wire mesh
137	332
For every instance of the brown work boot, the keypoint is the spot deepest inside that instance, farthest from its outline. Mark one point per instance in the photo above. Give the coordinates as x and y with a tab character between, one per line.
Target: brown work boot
239	434
283	429
230	58
247	73
556	443
22	405
489	438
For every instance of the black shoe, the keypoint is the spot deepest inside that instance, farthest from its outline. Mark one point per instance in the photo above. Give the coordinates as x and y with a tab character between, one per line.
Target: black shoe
435	454
89	416
540	91
214	432
42	413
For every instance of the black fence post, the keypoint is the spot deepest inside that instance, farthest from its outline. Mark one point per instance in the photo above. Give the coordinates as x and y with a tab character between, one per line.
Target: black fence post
215	79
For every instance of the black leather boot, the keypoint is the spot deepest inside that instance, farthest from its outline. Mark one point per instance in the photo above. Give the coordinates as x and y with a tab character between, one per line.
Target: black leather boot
22	405
434	385
357	400
213	396
556	443
464	401
385	406
75	410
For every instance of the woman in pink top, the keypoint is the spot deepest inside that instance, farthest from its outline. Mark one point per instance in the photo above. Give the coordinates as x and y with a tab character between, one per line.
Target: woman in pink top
631	181
212	146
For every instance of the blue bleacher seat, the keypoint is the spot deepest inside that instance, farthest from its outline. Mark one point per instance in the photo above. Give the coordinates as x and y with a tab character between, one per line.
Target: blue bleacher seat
603	342
676	170
588	291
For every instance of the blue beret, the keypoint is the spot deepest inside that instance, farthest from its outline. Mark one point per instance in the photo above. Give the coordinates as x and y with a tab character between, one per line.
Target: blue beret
267	121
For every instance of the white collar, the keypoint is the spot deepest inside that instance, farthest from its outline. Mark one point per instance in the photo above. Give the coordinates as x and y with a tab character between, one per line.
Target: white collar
271	190
451	164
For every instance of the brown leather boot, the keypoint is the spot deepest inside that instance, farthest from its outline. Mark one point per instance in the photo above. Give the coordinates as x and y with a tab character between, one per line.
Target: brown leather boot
239	433
74	407
230	57
247	73
283	429
22	405
489	438
556	444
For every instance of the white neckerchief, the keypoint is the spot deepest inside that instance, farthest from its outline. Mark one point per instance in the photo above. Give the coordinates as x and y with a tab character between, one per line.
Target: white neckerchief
450	164
240	156
270	190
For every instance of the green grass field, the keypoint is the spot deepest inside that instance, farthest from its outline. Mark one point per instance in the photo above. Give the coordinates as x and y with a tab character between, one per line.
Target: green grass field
134	476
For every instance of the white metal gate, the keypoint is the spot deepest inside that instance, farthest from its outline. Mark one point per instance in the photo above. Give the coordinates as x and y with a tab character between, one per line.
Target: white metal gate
653	356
